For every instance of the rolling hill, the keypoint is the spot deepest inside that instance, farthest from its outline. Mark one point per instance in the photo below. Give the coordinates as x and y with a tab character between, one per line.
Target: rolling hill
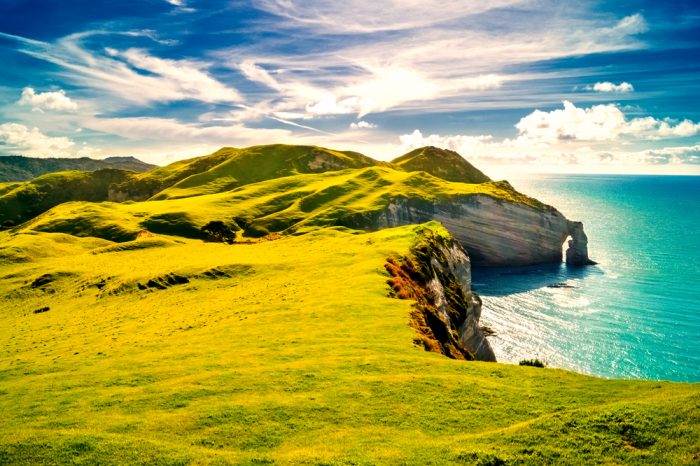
442	163
19	168
128	335
229	168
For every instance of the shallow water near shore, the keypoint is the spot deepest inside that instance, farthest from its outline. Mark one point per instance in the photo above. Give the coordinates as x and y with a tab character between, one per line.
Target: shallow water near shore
634	315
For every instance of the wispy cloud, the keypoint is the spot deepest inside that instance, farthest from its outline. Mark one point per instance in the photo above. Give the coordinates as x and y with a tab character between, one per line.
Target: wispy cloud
428	68
366	16
132	75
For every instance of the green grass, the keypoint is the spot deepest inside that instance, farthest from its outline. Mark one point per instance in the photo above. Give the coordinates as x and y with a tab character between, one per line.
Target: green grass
442	163
29	199
261	168
8	186
229	168
291	204
284	351
159	348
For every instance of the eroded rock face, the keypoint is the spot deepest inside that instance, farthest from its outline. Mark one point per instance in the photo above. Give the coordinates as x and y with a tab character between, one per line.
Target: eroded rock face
470	334
494	232
438	278
577	252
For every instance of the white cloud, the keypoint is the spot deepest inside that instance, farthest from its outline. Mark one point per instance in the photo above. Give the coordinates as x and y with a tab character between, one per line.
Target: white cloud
181	6
610	87
505	157
362	125
458	143
23	140
597	123
54	100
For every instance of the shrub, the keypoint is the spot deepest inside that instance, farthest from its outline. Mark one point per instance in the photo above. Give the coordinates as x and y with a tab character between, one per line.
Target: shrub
532	362
219	232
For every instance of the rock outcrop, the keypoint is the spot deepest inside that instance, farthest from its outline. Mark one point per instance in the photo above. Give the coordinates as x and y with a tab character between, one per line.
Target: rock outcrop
577	252
495	232
446	315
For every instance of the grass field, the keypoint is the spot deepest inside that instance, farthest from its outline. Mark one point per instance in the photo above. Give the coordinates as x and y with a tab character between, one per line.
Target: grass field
167	350
289	204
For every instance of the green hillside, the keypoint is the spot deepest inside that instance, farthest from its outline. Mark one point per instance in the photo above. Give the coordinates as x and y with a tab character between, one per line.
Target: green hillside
174	351
20	168
229	168
442	163
20	202
127	338
290	204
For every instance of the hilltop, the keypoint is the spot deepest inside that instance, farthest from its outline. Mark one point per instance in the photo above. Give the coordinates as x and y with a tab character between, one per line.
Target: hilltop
291	305
442	163
20	168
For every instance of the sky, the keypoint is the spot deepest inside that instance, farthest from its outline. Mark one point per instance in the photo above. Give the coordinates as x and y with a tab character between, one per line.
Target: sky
512	85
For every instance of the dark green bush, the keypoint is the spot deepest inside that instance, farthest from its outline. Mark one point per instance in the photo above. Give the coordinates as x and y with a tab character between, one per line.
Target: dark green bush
219	232
532	362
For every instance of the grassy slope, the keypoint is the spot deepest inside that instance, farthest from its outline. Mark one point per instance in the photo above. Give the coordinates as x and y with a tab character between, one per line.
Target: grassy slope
442	163
19	168
229	167
293	203
259	163
20	202
296	354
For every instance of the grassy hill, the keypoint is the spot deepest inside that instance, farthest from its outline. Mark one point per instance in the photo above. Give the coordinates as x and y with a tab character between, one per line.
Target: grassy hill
442	163
126	339
20	202
167	350
229	168
20	168
290	204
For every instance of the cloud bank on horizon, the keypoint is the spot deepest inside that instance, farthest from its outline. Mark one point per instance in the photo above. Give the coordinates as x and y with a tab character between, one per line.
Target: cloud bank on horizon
599	86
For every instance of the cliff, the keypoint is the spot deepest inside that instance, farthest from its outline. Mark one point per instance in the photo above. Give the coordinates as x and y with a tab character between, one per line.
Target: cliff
495	232
437	276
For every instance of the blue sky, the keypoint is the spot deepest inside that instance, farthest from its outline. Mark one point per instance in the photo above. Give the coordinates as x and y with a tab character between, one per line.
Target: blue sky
510	84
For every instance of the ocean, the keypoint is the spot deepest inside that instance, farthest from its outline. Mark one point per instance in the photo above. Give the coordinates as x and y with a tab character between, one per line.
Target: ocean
634	315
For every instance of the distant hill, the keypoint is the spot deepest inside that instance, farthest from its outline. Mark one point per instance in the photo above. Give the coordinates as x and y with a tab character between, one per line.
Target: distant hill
442	163
20	202
20	168
229	168
271	172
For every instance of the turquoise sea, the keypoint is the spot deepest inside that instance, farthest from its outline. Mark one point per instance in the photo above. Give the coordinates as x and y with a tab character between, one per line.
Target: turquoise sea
634	315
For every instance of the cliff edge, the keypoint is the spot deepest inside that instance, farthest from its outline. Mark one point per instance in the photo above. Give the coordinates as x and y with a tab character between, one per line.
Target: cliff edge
437	276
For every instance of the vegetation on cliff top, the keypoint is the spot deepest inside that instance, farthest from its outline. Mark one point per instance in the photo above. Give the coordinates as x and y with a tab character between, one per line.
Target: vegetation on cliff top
166	350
